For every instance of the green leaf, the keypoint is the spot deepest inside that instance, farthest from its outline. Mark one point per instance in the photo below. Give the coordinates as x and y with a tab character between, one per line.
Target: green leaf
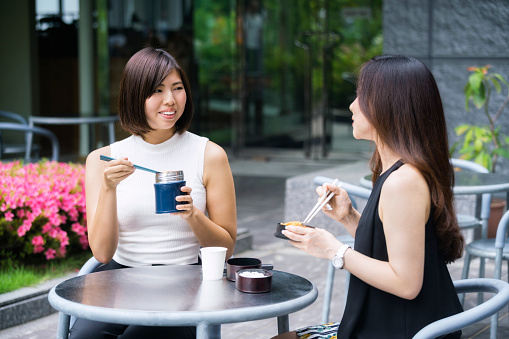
461	129
469	136
479	97
486	139
468	94
475	80
502	152
496	84
478	132
467	149
478	145
484	159
501	78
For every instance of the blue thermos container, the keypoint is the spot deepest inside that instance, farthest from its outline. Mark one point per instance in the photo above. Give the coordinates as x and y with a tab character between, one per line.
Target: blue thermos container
167	188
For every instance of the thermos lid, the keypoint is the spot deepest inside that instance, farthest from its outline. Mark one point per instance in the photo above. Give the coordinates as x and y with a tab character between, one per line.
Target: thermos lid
169	176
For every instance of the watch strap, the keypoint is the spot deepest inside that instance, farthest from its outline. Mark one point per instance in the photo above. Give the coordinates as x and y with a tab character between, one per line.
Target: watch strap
340	256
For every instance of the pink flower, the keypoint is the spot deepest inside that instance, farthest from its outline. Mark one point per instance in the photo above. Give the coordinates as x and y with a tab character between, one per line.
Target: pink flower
48	200
37	240
8	216
78	229
23	229
84	242
50	253
54	219
53	232
46	228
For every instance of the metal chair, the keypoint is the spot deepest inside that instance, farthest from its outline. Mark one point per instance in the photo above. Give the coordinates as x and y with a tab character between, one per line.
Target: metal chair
17	148
65	321
473	315
353	191
497	249
55	146
482	210
108	120
481	214
13	116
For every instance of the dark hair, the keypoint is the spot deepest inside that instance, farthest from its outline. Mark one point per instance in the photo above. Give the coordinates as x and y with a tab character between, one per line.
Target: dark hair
400	98
144	71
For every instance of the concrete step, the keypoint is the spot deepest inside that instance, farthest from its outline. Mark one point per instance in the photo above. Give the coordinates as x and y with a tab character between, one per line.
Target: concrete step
28	303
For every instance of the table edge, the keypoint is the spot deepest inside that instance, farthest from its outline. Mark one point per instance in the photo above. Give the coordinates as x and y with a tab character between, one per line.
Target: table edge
181	318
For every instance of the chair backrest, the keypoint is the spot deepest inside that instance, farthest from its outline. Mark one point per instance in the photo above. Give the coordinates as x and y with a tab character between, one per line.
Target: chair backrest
11	150
500	241
352	190
502	231
471	316
89	266
55	146
469	165
13	116
483	202
109	120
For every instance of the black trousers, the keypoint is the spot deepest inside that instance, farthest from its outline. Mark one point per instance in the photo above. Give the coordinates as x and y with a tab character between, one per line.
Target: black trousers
87	329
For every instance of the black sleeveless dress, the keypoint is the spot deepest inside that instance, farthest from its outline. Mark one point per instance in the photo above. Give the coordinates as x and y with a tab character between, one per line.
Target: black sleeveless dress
371	313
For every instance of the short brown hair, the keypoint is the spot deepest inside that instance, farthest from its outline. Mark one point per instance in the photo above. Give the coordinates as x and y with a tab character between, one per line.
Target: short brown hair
142	74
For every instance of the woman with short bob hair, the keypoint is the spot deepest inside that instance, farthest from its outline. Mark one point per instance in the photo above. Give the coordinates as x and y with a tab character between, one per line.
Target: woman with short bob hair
408	231
142	74
124	229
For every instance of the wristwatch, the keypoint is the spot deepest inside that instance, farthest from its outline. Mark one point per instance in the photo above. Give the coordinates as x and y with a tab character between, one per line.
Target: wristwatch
338	261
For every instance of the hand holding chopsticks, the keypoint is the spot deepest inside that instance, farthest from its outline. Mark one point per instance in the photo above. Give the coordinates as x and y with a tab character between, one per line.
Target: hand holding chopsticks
324	199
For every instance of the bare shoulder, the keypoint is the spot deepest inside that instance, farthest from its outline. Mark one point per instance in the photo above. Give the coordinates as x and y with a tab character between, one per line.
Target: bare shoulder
405	190
215	154
93	158
406	179
216	168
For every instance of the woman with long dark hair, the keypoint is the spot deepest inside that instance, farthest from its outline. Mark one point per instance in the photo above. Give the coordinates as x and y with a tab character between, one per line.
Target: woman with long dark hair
408	231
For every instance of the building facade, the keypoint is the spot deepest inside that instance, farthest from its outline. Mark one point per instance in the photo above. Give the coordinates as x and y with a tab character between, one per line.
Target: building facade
269	78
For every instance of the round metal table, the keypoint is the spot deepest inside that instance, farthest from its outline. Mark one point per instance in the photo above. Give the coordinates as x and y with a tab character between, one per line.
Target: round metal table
177	296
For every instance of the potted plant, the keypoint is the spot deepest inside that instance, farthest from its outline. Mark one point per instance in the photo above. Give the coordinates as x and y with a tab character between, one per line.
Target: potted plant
485	143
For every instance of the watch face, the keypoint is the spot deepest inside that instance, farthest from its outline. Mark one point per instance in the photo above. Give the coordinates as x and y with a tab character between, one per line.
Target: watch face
337	262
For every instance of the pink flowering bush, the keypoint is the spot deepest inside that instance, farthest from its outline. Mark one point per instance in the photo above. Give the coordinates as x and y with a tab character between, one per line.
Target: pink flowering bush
42	210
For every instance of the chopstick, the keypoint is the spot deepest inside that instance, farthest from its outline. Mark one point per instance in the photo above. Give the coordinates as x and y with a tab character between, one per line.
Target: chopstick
105	158
321	202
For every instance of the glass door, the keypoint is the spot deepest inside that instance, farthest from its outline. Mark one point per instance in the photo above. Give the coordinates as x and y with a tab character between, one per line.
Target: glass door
273	108
296	60
276	77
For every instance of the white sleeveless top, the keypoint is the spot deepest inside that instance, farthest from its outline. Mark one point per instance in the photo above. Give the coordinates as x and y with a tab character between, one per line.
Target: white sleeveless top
147	238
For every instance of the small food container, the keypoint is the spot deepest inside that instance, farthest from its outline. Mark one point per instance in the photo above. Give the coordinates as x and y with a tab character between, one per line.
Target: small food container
167	188
253	280
235	264
282	225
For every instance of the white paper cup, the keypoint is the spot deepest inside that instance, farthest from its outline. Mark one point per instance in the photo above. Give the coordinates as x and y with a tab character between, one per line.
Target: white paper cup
212	262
